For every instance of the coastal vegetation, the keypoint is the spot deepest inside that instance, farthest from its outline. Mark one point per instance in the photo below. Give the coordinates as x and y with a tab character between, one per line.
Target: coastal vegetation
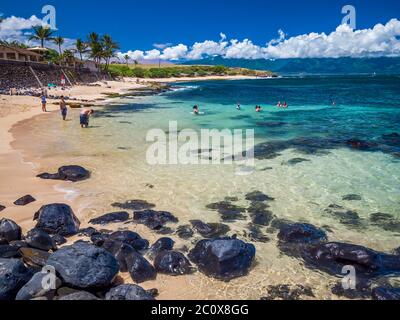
177	71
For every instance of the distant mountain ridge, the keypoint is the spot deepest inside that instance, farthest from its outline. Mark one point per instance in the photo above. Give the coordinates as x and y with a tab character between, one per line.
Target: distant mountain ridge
384	65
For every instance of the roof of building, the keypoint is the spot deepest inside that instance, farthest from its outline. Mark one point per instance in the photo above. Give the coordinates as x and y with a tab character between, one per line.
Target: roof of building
21	50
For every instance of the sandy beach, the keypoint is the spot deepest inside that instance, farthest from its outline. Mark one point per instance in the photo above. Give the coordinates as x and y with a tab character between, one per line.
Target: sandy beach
18	177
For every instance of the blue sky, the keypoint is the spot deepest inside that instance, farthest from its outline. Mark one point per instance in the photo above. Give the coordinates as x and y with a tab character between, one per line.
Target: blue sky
140	24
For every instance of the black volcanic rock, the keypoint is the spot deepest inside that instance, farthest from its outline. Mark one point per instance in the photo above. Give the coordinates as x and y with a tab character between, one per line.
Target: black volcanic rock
38	239
24	200
69	173
172	263
2	208
57	219
154	220
130	238
210	230
163	244
386	294
113	217
139	268
9	230
301	233
84	266
34	257
258	196
13	276
223	259
135	205
129	292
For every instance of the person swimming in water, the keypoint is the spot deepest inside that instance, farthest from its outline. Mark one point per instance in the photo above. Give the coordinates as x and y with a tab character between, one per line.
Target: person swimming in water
258	109
279	105
238	107
196	111
285	105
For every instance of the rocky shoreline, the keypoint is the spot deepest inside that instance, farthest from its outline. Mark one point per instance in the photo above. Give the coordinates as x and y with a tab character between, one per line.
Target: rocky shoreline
44	264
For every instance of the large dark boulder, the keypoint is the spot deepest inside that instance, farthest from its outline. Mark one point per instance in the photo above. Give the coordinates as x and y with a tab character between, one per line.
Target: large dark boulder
73	173
24	200
9	230
38	239
131	238
172	263
13	276
139	268
223	259
154	220
386	294
120	251
57	218
128	292
34	257
84	266
113	217
35	289
163	244
332	257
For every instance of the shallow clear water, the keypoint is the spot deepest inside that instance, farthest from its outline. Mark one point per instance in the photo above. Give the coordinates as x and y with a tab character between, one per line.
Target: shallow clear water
114	149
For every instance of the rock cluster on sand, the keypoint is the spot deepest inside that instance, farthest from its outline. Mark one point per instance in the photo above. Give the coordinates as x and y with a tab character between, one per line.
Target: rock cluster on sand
69	173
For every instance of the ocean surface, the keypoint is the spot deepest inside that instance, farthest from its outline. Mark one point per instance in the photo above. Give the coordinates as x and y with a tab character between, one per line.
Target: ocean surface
308	157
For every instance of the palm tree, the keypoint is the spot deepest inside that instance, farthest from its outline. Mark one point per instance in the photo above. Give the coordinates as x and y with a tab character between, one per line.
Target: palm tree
59	41
42	34
126	57
95	46
81	47
109	47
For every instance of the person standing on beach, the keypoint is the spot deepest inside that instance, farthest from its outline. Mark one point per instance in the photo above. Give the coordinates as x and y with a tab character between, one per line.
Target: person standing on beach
63	108
84	117
44	102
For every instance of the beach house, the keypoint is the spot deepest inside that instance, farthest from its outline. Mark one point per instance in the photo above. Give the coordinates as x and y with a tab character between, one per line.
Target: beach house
19	54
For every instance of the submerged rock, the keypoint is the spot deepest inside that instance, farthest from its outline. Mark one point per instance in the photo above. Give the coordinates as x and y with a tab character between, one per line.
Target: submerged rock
13	276
163	244
84	266
24	200
135	205
35	289
57	219
172	263
293	162
287	292
227	210
9	230
255	234
210	230
386	294
258	196
362	290
39	239
79	296
332	257
34	257
352	197
129	292
184	232
385	221
302	233
262	218
113	217
223	259
154	220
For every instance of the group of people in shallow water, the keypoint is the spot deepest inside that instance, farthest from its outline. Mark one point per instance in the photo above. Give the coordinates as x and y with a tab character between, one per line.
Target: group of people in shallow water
284	105
84	114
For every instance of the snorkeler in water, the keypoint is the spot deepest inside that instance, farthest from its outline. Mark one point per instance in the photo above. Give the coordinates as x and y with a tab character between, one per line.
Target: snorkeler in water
196	110
238	107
